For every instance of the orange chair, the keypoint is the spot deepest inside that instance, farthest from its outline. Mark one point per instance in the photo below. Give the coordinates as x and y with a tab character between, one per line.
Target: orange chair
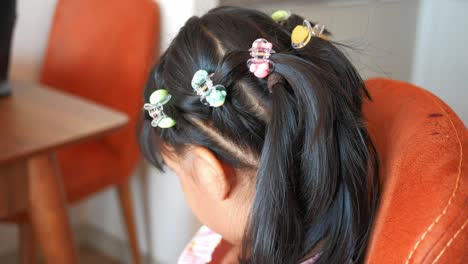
422	147
102	51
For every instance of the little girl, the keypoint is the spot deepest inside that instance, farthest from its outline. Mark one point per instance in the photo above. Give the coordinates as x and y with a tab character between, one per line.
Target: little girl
261	120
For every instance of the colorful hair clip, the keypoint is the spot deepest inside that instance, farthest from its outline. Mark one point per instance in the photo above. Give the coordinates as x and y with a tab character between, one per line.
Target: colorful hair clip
280	16
212	95
260	64
155	109
302	34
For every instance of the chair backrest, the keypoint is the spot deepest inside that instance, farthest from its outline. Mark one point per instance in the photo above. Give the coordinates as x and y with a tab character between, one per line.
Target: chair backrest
422	147
103	51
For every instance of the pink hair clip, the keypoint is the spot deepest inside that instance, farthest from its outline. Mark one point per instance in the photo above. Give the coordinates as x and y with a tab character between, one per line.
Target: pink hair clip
259	64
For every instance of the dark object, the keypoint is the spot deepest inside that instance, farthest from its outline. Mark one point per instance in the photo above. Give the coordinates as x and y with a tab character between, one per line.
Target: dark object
7	22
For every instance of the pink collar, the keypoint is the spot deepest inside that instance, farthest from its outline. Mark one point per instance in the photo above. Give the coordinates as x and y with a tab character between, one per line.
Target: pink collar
200	250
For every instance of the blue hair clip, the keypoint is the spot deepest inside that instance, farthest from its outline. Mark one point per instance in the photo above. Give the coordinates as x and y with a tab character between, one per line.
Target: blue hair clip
212	95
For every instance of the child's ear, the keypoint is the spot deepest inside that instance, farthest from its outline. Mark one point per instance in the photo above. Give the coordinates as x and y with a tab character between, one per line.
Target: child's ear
211	174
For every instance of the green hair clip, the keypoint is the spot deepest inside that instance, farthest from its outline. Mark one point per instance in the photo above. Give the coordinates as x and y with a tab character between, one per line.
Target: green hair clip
280	15
155	109
212	95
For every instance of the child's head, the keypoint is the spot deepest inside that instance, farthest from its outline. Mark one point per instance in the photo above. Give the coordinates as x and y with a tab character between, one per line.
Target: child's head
286	162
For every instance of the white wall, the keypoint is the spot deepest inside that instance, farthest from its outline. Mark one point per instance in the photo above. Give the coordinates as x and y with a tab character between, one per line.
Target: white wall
30	38
441	59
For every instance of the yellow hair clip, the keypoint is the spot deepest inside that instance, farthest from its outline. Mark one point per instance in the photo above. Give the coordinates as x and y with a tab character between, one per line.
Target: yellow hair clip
302	34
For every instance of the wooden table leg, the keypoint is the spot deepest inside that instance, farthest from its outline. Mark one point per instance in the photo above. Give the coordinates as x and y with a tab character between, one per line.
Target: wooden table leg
126	205
27	246
48	211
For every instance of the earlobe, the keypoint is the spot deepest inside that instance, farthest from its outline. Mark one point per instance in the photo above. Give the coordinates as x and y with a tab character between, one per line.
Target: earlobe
213	176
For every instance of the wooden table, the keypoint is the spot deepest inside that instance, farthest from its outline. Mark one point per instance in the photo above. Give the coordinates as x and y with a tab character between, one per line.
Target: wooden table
35	122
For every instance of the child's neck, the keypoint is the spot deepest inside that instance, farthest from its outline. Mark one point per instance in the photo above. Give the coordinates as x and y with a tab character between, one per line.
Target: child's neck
226	253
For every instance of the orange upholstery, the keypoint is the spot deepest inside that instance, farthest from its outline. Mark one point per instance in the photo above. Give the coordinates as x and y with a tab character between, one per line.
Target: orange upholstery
102	51
422	147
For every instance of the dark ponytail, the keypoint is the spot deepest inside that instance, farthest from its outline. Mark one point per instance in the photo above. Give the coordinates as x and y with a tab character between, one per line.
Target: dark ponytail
276	222
314	167
301	128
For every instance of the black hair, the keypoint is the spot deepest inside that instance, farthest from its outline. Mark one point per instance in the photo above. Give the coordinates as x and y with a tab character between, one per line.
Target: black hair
316	179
